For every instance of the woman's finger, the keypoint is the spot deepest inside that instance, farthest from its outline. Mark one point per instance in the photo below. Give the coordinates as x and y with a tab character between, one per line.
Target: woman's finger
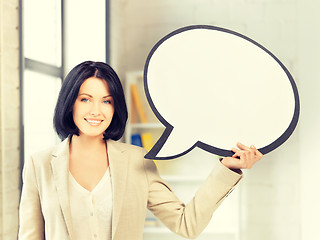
239	153
235	150
256	151
242	146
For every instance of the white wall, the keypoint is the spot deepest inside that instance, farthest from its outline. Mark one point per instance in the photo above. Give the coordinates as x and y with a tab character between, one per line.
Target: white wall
9	119
309	142
85	32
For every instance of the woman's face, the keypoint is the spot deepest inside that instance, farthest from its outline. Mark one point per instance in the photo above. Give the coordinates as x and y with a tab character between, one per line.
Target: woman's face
94	107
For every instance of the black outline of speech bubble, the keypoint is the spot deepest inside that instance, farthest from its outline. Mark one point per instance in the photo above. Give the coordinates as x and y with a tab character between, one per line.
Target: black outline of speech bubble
218	151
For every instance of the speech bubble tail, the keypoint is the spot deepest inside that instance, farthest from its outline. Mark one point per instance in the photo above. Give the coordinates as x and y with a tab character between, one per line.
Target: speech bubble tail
169	146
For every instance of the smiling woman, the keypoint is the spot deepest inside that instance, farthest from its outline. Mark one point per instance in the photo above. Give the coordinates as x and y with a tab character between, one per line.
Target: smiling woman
90	185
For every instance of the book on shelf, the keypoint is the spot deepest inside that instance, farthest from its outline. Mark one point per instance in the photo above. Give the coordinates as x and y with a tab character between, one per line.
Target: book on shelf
133	112
136	139
147	140
137	103
144	140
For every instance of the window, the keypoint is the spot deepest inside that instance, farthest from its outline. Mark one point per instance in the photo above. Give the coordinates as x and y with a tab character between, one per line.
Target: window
42	73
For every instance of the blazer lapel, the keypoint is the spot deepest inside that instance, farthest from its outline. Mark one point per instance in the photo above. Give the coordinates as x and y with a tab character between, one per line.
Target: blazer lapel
118	161
60	170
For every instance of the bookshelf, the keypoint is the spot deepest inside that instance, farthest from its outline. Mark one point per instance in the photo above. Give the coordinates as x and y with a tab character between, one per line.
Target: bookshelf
135	125
182	174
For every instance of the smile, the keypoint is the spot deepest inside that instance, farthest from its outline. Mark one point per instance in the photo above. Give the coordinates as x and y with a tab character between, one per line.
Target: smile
94	122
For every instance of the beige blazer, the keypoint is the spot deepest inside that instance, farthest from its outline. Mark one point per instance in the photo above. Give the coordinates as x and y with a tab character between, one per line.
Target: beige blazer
45	209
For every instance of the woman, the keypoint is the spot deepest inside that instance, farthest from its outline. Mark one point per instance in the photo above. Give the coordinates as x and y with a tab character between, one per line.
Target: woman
92	187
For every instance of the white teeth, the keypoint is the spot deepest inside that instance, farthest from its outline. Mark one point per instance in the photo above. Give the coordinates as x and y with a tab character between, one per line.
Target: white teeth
93	121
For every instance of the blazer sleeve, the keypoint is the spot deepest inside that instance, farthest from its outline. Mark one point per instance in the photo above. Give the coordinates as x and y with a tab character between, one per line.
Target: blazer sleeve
189	220
31	223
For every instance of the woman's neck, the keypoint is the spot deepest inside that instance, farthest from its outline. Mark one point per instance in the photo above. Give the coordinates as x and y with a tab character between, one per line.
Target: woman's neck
85	143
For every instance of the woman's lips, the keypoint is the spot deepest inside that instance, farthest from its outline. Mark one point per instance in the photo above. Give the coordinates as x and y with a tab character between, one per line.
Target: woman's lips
93	122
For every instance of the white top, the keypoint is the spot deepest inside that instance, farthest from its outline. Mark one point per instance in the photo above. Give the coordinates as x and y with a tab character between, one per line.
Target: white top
91	212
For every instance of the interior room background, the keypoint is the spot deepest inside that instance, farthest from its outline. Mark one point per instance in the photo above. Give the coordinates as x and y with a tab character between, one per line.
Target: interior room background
40	41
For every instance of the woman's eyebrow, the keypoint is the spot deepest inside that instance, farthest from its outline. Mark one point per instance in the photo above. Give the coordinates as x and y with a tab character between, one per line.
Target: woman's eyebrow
107	96
92	96
85	94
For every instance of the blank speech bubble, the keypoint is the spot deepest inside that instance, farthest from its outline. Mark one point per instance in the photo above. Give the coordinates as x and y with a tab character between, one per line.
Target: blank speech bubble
212	87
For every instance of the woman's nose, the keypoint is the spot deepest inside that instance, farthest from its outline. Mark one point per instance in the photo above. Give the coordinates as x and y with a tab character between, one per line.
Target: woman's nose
95	110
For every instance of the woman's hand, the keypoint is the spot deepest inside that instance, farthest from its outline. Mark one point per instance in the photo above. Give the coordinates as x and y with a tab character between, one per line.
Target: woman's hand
243	158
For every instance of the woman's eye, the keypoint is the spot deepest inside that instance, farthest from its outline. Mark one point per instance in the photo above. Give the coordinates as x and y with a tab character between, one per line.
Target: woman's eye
107	102
84	100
